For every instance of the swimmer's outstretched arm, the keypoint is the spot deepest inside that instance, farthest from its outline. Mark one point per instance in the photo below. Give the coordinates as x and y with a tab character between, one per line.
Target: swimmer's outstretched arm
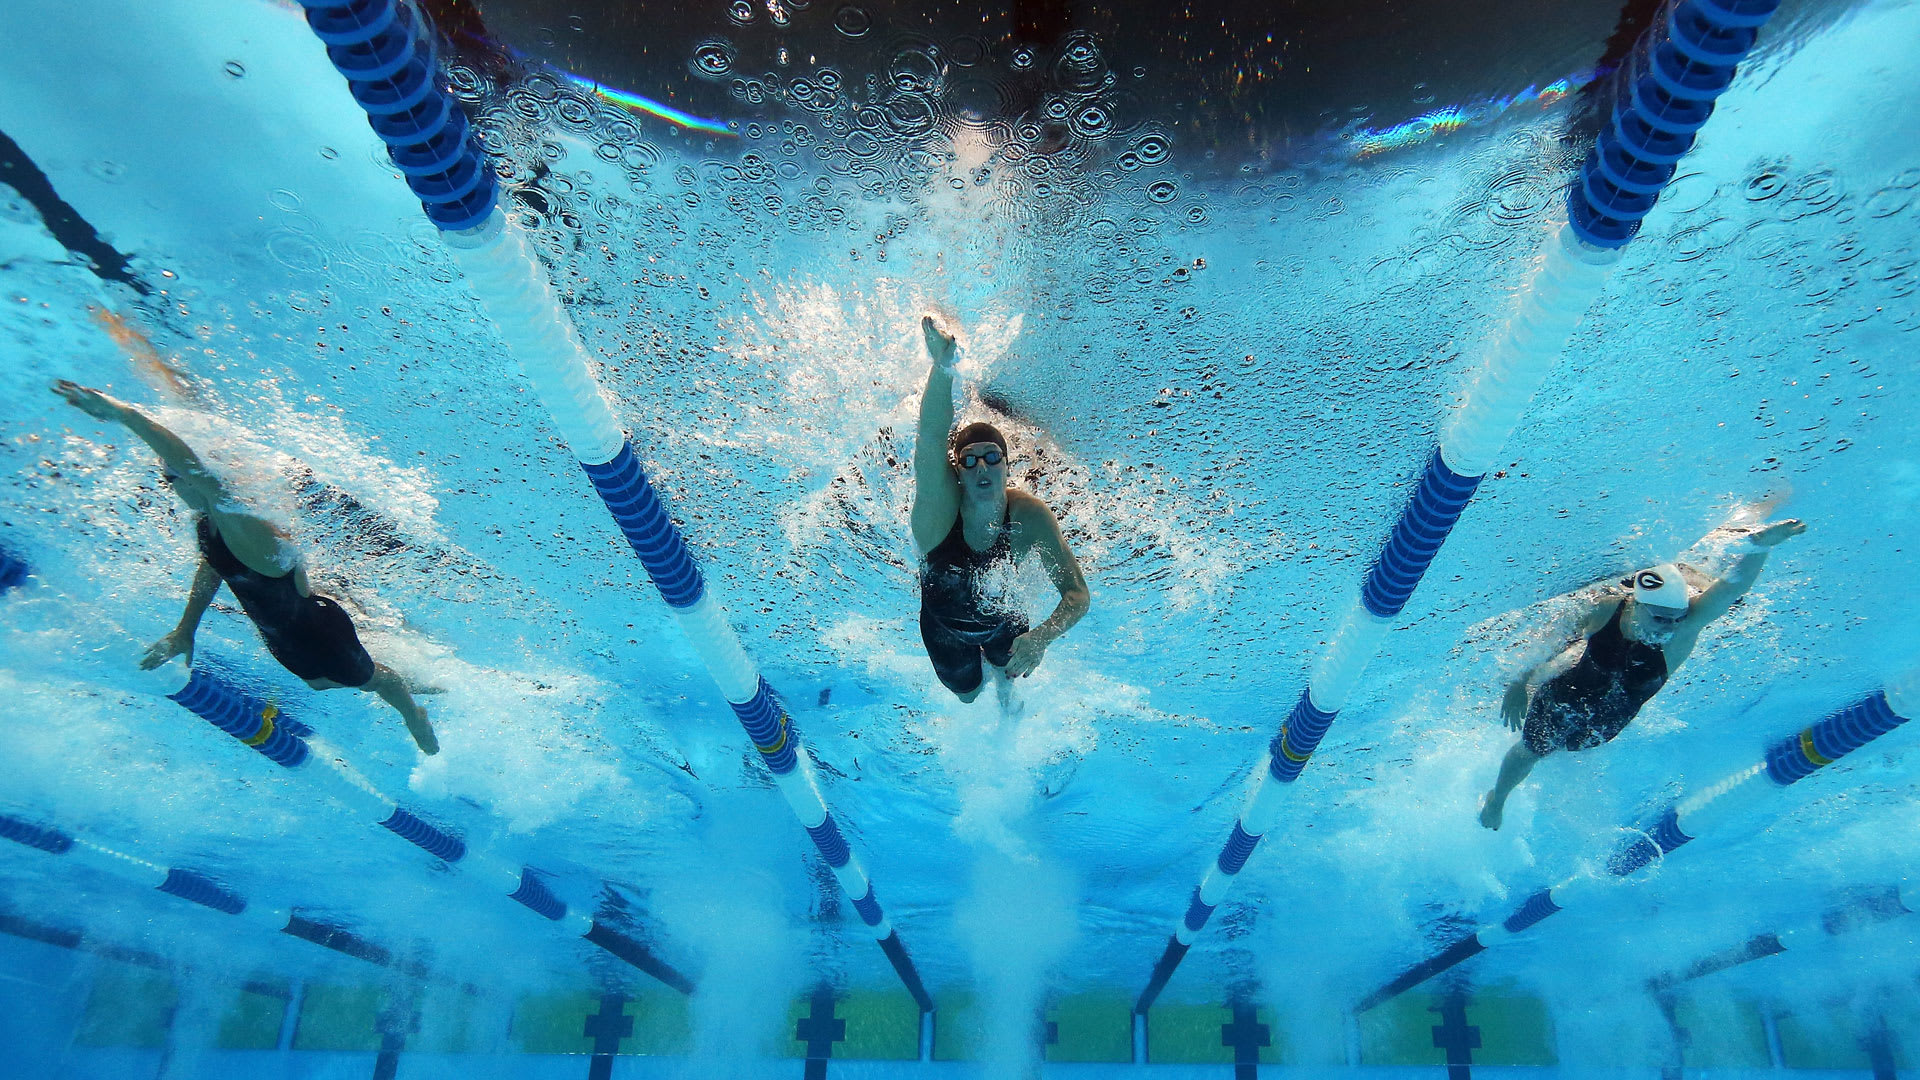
179	640
936	497
173	451
1750	557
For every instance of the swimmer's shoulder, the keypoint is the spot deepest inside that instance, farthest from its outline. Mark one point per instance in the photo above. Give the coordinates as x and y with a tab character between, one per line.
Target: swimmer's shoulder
258	543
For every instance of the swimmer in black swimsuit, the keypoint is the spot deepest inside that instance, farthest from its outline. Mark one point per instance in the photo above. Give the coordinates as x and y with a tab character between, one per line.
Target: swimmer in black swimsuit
1633	637
965	520
311	636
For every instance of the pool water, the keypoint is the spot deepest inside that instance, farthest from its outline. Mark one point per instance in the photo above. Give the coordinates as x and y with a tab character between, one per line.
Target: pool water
1223	305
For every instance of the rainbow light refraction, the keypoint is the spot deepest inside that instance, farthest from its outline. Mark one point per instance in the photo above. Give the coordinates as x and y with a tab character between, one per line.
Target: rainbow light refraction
627	99
1367	142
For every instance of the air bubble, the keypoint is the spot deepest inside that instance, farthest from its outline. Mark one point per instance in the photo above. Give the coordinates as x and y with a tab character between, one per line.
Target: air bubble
1889	201
1765	186
235	69
966	51
109	172
909	115
1152	149
1161	191
575	112
1022	58
1093	121
329	153
852	21
296	251
1081	68
740	11
713	58
916	70
466	83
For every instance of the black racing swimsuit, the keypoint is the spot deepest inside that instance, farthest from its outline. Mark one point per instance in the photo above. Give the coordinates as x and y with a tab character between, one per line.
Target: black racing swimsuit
957	628
311	636
1593	701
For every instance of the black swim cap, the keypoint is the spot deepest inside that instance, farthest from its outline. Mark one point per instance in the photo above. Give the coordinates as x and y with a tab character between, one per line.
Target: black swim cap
977	432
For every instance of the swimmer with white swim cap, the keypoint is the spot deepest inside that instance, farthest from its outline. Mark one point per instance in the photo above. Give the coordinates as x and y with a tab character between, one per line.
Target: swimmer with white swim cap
1633	637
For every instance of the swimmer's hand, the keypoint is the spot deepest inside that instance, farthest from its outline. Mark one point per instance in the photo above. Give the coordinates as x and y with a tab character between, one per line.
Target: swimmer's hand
88	400
940	344
1025	655
1775	533
177	643
1513	708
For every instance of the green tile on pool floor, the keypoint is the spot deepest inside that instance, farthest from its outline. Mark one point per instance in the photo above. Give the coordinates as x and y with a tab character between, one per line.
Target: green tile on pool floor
555	1023
128	1007
252	1021
956	1027
1400	1032
662	1023
1723	1032
880	1026
1197	1035
1091	1028
1514	1029
340	1018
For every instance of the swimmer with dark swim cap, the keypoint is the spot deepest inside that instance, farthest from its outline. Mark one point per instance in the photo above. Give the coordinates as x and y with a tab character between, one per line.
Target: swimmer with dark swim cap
1633	636
966	520
312	636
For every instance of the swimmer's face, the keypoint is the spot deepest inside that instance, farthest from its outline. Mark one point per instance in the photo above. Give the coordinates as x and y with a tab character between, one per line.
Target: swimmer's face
1655	625
190	494
981	465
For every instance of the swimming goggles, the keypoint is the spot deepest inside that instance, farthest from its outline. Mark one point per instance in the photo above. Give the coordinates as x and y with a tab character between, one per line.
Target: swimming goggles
991	457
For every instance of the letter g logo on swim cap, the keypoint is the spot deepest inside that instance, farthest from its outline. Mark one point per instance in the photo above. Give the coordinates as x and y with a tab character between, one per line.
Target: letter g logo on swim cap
1649	580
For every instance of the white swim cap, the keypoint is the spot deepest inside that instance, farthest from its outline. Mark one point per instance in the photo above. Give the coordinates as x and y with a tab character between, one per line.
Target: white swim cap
1660	586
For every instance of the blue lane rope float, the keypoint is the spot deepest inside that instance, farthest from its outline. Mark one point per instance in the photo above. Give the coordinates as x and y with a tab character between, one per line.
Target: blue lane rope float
252	721
1787	762
382	47
388	55
1685	60
191	886
255	723
1663	95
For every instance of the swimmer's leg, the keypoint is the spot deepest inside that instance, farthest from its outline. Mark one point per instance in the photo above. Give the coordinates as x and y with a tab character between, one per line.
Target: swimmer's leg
1519	762
393	690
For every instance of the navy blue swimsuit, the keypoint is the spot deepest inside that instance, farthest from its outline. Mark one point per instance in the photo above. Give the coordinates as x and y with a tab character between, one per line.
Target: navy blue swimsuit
1593	701
956	626
311	636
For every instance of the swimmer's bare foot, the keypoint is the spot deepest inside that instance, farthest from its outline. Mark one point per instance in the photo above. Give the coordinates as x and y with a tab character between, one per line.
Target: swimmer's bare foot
1491	813
393	690
421	731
